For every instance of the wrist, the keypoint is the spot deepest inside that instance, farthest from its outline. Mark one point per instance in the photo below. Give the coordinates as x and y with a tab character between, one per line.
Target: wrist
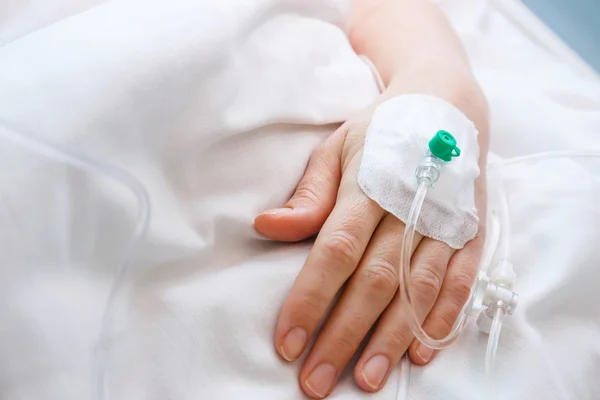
446	81
457	87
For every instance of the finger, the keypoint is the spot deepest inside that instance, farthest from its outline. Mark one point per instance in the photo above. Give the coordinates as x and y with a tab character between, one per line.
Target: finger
455	292
333	258
392	336
369	291
304	214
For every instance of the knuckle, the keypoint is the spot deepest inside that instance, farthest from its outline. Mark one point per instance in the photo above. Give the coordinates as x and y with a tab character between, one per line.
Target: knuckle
341	247
398	336
355	139
479	240
305	191
381	277
309	307
347	342
425	283
460	288
447	316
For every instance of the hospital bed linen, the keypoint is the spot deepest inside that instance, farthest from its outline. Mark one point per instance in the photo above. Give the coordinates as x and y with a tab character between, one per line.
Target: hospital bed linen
215	107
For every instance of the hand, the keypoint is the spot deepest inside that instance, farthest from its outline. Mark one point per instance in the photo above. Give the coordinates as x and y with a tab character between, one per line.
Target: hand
359	243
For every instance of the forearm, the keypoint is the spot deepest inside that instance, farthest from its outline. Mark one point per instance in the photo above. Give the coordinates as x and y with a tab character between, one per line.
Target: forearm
416	50
404	36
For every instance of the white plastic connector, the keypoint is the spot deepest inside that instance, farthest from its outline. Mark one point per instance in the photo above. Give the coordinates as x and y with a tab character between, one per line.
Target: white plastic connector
504	275
490	296
488	293
499	296
427	174
484	323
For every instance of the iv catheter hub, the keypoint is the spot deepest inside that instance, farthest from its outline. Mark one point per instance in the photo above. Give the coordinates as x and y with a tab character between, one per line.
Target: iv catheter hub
492	296
429	171
442	148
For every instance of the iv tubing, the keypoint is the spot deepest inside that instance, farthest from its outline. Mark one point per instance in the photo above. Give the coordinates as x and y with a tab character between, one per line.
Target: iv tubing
505	228
492	348
409	233
52	151
549	155
404	275
498	311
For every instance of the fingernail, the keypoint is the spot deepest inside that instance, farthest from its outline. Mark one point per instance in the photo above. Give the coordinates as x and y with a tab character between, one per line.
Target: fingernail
321	379
277	211
375	371
424	353
293	344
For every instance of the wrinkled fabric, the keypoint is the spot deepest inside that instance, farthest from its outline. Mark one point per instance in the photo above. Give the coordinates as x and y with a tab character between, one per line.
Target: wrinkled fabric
215	107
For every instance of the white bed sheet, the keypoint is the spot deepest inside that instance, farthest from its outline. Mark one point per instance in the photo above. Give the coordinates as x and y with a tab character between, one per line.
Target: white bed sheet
216	110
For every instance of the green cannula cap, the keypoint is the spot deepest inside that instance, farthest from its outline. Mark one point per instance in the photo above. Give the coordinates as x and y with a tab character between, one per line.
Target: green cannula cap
443	146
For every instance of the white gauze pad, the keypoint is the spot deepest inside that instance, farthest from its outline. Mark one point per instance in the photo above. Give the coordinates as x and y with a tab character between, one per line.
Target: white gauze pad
397	143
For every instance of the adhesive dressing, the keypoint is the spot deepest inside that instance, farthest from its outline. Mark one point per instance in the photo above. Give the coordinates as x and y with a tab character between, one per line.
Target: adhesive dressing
396	144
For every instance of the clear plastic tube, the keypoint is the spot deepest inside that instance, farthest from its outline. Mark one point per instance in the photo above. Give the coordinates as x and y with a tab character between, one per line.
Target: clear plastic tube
504	207
545	156
499	312
492	241
505	227
504	245
409	233
404	276
52	151
492	349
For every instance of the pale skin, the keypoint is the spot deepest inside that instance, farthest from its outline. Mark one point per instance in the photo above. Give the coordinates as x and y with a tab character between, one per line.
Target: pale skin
416	51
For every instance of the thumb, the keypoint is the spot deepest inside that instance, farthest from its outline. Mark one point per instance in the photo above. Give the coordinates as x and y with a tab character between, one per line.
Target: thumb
305	213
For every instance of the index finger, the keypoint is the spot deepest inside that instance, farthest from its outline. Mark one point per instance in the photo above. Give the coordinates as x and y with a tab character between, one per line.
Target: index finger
335	255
